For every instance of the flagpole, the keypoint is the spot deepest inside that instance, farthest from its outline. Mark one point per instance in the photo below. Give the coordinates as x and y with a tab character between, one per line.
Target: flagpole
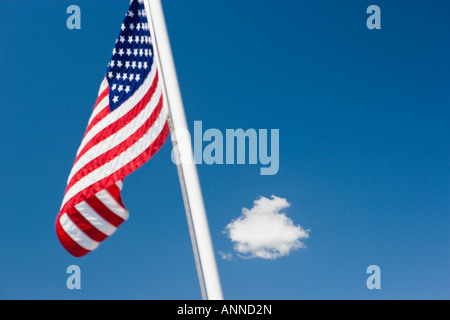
187	171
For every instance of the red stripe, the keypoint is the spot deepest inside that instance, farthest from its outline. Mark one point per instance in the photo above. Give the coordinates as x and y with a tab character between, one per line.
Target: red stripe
100	116
120	173
71	246
104	211
117	150
81	222
114	191
101	96
120	123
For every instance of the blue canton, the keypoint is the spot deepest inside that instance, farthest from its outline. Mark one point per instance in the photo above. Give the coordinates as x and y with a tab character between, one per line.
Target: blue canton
132	56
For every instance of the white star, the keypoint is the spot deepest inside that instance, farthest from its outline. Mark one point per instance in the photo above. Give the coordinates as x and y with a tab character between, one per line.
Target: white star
145	65
141	52
110	74
120	51
135	52
119	63
139	64
138	26
127	64
131	77
113	87
114	51
130	14
115	99
133	64
138	76
127	89
120	88
118	76
112	63
131	26
124	76
122	39
130	39
122	27
136	39
128	51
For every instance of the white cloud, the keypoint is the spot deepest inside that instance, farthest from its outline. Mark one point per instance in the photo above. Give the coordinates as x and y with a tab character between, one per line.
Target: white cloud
225	256
264	232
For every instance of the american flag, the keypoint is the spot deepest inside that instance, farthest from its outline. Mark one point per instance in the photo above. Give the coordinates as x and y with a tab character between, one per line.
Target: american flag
127	127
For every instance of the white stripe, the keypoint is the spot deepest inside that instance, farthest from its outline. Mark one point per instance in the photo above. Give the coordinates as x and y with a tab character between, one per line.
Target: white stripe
120	112
100	106
95	219
103	86
119	184
120	136
121	160
76	234
108	200
103	104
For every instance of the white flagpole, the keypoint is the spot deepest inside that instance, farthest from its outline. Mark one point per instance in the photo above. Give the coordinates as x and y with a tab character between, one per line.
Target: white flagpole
187	172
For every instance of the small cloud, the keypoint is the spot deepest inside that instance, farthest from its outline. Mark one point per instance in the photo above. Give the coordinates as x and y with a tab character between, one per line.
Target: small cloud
265	232
225	256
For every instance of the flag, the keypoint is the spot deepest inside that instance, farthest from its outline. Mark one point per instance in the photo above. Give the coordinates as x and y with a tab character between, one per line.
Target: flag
127	127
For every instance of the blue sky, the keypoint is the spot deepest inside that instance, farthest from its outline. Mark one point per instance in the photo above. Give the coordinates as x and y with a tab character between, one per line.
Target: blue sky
363	117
